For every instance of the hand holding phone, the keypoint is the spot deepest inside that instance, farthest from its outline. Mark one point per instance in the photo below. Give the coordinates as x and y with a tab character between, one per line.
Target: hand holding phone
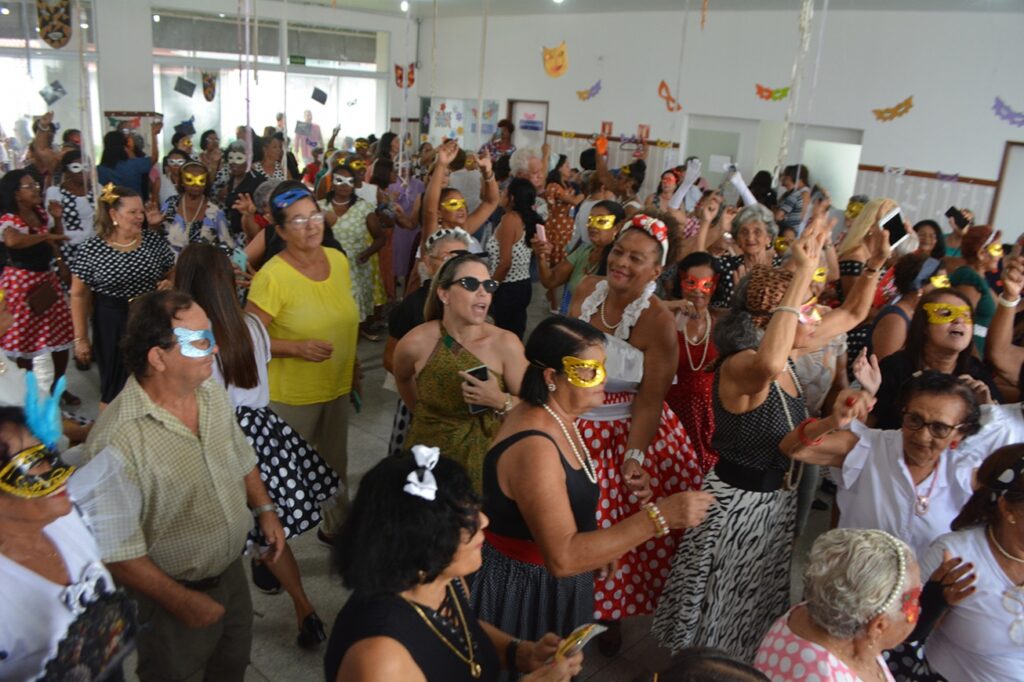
480	373
893	222
958	217
541	234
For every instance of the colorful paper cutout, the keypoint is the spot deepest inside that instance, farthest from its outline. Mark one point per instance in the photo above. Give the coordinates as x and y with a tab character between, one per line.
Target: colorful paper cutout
54	19
556	60
1003	111
771	94
670	102
404	78
894	112
568	134
662	144
606	128
942	177
591	93
209	85
894	170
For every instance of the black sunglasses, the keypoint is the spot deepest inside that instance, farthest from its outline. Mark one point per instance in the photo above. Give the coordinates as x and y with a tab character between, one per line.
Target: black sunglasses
472	284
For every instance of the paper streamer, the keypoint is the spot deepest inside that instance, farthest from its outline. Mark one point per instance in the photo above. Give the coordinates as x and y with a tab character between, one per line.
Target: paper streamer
591	93
670	102
1003	111
900	109
942	177
771	94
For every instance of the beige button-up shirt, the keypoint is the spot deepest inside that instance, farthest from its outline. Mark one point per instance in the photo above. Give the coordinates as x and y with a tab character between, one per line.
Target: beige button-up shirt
194	517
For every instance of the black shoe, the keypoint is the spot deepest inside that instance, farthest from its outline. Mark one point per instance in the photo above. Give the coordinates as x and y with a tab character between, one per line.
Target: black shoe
311	633
324	538
263	579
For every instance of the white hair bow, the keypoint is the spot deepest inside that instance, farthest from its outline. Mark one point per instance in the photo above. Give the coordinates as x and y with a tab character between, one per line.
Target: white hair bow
421	482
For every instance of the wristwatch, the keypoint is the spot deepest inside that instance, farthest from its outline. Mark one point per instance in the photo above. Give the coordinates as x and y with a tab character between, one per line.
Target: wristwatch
635	454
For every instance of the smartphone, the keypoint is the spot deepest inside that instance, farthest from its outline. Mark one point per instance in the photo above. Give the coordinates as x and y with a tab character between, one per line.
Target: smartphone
541	234
893	221
357	402
479	372
239	259
578	638
958	217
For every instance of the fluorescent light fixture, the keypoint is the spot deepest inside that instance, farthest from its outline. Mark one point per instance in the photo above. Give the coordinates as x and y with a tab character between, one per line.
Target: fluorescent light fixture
221	15
156	18
559	2
84	25
5	11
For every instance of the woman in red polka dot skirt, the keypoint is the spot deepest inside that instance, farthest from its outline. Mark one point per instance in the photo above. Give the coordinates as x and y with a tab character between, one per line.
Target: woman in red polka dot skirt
641	450
34	295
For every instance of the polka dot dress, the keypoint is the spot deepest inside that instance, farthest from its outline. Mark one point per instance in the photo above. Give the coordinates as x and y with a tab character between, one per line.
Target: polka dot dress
295	476
123	274
633	589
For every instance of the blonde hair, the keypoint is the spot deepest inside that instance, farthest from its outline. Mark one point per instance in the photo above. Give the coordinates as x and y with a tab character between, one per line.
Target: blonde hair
104	223
862	223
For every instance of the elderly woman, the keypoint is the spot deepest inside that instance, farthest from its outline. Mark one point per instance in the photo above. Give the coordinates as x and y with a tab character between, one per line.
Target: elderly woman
303	297
753	231
192	216
939	338
267	153
541	493
62	619
981	250
408	315
445	207
980	638
862	589
414	534
120	262
915	275
911	482
34	294
709	599
456	372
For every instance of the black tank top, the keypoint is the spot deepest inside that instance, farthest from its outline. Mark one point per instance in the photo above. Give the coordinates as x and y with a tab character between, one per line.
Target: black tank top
388	615
504	513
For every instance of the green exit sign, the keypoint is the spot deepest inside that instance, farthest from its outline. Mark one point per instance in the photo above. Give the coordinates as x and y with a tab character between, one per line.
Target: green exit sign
296	59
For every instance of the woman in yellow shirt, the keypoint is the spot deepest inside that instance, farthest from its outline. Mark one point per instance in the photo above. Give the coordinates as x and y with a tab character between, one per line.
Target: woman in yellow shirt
303	296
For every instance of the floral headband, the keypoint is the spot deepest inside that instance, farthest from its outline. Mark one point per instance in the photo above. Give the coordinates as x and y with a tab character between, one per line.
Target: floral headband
654	228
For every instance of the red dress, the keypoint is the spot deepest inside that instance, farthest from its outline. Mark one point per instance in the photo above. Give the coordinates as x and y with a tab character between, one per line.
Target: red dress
690	398
30	334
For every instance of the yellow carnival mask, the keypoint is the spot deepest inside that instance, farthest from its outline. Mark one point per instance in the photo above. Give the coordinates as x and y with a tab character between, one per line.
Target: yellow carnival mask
781	244
193	179
601	222
583	373
940	281
944	313
16	480
820	275
453	204
853	209
995	249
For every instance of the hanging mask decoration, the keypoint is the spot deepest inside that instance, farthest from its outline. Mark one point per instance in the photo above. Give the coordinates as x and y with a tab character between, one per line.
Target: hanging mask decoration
556	60
583	373
54	18
195	343
209	85
404	78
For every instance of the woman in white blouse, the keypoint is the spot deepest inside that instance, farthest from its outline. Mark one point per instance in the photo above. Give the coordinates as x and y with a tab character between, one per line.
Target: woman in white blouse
910	483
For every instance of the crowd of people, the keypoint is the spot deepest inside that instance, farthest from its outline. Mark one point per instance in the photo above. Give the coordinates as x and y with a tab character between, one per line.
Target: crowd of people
710	371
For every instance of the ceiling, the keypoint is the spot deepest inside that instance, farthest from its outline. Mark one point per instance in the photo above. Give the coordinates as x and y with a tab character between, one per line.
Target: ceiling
456	8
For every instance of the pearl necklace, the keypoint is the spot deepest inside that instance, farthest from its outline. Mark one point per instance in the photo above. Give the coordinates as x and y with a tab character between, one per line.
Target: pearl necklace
992	537
125	245
706	341
189	221
587	464
788	482
604	321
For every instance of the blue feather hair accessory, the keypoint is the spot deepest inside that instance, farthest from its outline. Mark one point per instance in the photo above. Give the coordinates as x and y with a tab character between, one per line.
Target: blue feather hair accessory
42	415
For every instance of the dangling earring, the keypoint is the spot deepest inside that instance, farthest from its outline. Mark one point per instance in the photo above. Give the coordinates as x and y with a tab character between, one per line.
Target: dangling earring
552	387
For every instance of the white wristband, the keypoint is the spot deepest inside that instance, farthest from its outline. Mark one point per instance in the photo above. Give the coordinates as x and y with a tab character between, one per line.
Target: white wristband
1007	304
635	454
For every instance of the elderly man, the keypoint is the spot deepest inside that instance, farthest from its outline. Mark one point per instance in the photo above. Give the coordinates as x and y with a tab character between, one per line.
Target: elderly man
532	165
175	436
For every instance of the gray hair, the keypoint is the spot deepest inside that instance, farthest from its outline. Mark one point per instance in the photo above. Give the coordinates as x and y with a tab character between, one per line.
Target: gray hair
755	212
236	146
445	235
261	195
737	331
519	163
852	576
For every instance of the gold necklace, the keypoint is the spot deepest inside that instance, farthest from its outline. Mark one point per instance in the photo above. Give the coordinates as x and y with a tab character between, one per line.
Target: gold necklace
474	668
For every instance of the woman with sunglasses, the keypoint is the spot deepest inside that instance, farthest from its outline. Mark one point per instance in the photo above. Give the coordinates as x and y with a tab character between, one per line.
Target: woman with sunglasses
445	207
457	373
76	202
541	494
33	291
939	338
192	216
303	297
909	482
982	249
62	617
588	258
357	228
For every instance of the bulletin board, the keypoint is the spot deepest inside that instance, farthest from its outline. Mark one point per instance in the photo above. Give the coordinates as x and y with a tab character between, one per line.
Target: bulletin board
447	118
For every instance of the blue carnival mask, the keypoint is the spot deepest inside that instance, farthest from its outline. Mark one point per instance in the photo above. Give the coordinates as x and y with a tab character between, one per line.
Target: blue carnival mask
195	343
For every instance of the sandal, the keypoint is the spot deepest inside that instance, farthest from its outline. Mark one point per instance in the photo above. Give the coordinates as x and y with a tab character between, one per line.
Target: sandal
69	399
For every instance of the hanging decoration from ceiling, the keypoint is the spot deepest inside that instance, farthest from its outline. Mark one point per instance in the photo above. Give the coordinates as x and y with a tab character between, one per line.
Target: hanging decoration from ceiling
795	79
1003	111
771	94
405	78
670	102
209	85
703	14
591	93
890	113
556	60
183	86
54	18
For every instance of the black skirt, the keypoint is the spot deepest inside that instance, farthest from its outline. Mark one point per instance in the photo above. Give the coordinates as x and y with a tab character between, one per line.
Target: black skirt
109	318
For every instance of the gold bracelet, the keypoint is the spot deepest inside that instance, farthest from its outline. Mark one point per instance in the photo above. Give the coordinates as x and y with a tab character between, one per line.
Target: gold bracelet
657	518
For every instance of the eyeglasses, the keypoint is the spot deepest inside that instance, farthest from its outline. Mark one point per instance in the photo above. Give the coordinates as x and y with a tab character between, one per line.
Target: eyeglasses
453	204
300	222
601	222
705	285
472	284
915	422
940	281
944	313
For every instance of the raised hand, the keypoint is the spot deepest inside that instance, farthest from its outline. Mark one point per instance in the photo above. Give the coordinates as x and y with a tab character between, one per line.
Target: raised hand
446	152
866	371
851	404
484	161
692	172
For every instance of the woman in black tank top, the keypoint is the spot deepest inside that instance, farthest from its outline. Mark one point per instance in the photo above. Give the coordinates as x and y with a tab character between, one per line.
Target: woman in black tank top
541	495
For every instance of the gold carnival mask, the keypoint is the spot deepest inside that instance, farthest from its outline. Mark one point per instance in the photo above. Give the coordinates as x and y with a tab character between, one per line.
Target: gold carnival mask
853	209
940	281
453	204
944	313
193	179
357	164
781	245
601	222
583	373
995	249
16	480
820	275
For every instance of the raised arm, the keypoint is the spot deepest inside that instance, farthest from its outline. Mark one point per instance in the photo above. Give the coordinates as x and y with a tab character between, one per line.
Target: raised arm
1004	357
822	441
489	195
438	179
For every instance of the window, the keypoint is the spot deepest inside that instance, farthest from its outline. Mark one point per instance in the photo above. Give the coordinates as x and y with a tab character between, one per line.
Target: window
212	37
333	48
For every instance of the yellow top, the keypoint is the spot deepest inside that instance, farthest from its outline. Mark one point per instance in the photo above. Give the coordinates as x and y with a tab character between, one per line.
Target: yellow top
303	309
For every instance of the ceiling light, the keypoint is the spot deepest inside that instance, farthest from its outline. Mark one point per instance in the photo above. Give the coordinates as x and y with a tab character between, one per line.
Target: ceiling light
84	25
221	15
156	18
559	2
405	5
5	11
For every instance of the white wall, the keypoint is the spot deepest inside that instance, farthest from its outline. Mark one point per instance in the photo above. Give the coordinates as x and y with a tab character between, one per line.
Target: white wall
954	64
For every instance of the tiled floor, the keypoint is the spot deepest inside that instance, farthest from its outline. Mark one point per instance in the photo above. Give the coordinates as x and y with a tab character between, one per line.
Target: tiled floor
276	658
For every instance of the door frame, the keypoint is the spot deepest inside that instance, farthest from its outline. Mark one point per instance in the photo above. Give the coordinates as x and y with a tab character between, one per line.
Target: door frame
1010	144
547	110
